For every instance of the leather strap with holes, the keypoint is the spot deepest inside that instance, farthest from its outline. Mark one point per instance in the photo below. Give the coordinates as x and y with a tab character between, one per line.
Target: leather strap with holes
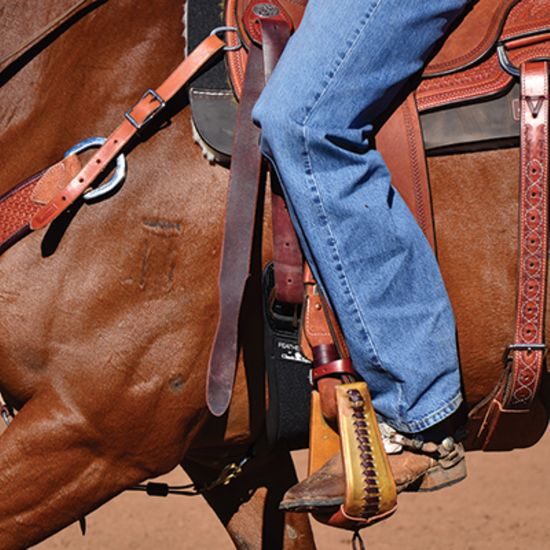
518	388
287	255
152	102
528	350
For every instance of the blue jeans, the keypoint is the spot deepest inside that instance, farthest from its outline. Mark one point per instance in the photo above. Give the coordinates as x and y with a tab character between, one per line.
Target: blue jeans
326	98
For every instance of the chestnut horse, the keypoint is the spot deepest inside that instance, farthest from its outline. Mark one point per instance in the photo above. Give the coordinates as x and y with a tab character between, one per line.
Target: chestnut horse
107	318
106	323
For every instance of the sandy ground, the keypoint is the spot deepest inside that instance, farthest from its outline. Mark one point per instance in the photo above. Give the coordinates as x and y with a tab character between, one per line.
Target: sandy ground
504	504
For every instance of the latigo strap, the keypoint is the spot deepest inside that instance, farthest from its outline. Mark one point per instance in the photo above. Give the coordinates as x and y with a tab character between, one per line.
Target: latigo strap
26	218
244	184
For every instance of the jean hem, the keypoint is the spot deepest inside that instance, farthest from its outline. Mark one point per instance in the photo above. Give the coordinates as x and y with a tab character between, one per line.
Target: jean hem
431	419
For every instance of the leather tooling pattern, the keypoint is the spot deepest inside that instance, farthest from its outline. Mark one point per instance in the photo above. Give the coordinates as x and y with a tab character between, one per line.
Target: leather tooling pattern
533	236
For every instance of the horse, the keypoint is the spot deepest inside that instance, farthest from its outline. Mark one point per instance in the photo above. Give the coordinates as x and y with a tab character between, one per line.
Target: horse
108	316
148	306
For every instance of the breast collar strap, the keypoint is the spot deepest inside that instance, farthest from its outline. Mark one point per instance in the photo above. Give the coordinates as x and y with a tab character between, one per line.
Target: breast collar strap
145	110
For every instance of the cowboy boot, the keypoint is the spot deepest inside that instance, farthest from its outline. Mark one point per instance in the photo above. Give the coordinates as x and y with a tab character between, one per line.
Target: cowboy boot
416	466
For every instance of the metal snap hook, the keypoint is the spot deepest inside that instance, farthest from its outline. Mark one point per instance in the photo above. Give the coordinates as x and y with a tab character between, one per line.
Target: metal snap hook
119	172
224	29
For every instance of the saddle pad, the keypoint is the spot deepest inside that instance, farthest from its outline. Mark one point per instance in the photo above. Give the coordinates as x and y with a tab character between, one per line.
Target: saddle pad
201	18
478	126
213	106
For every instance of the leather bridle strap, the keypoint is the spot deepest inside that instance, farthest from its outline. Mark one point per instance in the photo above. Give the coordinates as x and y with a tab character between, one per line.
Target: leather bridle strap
151	103
247	171
524	358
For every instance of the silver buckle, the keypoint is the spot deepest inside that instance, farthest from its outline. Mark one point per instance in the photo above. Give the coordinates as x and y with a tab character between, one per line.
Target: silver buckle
522	347
159	107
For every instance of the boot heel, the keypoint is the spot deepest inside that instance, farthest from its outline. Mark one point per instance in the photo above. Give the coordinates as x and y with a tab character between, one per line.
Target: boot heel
440	477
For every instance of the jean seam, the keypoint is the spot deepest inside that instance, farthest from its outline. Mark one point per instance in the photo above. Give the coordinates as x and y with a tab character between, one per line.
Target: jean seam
309	171
333	243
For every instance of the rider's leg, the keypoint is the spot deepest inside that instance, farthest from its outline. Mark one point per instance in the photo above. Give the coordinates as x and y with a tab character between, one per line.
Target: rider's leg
331	90
333	85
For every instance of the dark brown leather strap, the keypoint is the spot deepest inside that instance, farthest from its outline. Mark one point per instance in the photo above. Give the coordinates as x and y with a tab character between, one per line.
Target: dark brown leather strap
246	173
145	110
287	254
524	363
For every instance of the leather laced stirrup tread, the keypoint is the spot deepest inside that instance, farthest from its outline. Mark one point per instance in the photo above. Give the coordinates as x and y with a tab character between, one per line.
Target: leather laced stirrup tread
352	482
343	423
370	491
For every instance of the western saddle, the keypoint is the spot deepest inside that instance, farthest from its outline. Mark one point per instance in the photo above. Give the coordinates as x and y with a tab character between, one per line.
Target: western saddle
497	42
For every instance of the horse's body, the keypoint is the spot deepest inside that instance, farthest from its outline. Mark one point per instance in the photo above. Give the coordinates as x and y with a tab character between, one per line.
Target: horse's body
105	342
106	324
